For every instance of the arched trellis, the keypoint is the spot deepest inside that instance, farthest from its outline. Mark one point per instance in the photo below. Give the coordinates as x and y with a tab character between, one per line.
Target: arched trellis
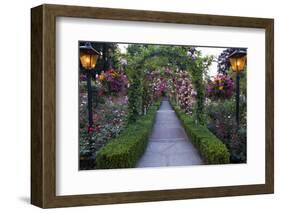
181	57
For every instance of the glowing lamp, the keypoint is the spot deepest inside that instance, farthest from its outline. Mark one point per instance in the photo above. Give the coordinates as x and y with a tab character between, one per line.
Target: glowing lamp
88	56
238	60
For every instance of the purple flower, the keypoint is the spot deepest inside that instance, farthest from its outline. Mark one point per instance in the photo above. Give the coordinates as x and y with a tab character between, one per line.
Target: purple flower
221	87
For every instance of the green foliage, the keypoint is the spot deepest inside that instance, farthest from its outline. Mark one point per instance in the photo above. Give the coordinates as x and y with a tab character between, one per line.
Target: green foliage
109	57
135	72
146	96
135	99
143	59
109	120
243	80
154	57
198	68
210	147
222	122
84	142
197	79
125	151
147	58
97	99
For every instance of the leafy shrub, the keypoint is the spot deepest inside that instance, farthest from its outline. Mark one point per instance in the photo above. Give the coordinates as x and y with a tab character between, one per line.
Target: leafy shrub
222	123
135	98
109	120
125	150
210	147
82	86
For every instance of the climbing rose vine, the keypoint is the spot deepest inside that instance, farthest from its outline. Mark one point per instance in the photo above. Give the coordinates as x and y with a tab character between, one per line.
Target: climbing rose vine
185	94
158	83
159	86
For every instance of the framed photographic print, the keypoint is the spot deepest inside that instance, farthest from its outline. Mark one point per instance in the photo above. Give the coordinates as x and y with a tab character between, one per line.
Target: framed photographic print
136	106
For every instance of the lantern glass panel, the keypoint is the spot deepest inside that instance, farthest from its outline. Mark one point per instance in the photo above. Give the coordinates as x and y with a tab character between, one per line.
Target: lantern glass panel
238	63
88	61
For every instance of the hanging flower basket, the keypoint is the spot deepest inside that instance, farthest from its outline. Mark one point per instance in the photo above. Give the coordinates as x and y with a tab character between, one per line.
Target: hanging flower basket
221	87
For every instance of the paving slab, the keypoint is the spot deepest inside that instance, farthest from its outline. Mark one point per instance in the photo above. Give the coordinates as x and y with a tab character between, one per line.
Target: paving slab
168	144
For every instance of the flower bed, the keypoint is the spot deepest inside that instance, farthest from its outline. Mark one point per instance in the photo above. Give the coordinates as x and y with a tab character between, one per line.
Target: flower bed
109	120
222	123
125	150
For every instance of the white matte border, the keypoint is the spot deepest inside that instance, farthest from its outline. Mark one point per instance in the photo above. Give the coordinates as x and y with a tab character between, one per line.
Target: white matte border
71	181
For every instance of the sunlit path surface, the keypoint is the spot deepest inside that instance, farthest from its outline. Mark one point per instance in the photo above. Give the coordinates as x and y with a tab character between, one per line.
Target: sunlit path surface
168	143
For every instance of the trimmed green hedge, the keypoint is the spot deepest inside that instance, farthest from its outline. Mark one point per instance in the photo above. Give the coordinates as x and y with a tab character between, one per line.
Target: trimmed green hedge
210	147
125	150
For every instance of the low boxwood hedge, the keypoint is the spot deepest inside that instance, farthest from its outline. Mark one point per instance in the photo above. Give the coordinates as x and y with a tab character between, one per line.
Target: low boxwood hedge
212	149
125	150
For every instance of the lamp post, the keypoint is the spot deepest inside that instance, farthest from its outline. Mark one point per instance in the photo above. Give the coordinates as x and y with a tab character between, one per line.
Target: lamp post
88	60
238	60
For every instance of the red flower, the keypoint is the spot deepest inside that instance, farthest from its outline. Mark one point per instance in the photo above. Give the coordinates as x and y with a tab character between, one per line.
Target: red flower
90	129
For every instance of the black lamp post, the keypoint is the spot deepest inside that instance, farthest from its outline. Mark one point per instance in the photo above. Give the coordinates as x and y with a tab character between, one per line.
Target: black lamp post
88	59
238	60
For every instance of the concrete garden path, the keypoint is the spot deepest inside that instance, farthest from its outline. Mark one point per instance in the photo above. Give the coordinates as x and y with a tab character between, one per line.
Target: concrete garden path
168	143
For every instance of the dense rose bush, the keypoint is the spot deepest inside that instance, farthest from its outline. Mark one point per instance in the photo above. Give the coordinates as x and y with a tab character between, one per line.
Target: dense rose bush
222	122
109	119
183	91
157	83
159	86
176	84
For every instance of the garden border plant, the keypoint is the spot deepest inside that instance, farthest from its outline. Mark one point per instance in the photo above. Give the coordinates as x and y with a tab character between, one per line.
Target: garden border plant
212	149
125	150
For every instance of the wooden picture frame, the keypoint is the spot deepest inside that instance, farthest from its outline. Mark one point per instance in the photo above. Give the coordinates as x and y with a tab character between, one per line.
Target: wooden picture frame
43	105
